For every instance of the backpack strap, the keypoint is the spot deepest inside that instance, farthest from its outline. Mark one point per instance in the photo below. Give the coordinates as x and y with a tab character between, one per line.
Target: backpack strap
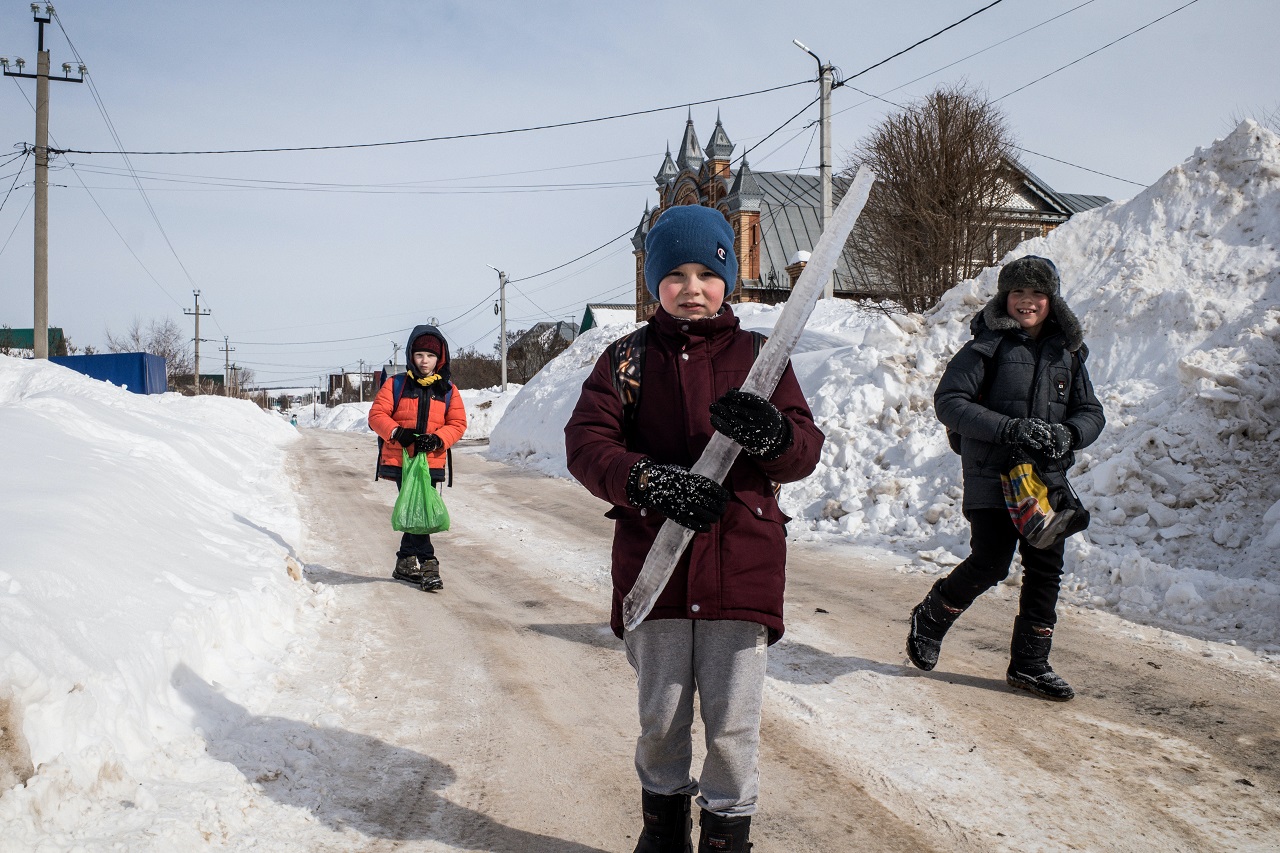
397	391
626	365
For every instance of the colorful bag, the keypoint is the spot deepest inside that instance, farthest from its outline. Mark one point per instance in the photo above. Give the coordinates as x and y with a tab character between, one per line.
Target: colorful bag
419	507
1045	514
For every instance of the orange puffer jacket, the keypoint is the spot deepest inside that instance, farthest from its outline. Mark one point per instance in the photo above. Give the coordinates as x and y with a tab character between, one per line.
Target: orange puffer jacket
421	410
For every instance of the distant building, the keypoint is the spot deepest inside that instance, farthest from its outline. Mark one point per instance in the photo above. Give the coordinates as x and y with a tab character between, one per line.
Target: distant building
605	314
776	217
22	342
545	333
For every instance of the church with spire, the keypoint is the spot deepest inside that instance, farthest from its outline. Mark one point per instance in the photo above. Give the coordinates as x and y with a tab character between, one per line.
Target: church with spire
777	217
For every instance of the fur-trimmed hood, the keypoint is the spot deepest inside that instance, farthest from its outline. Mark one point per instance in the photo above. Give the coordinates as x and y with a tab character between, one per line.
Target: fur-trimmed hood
1033	273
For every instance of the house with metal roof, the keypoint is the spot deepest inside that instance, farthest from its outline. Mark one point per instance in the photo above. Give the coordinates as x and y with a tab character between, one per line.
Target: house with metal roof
606	314
21	342
776	217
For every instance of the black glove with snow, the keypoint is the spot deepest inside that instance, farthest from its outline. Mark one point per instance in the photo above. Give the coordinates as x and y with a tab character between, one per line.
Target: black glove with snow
428	443
403	437
690	500
753	422
1063	438
1028	433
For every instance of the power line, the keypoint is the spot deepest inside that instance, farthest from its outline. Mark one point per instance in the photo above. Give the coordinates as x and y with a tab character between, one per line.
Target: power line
917	44
456	136
16	224
1099	50
16	175
743	156
1078	166
107	170
111	128
101	210
580	257
964	58
372	189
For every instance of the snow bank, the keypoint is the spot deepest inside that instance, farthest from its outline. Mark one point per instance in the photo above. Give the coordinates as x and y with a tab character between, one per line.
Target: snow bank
532	431
1179	292
90	633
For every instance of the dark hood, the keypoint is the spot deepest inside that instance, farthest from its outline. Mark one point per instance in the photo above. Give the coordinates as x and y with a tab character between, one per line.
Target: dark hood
993	316
445	369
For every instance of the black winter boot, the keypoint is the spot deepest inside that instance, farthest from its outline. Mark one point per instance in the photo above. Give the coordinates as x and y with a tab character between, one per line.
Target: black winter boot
930	620
431	575
666	823
724	834
1029	662
407	570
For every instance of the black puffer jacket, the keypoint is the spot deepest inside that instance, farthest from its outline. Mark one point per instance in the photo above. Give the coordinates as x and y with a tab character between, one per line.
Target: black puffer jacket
1042	378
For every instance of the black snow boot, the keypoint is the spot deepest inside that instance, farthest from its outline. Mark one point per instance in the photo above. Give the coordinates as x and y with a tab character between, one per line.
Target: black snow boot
407	570
1029	662
724	834
431	575
930	620
666	823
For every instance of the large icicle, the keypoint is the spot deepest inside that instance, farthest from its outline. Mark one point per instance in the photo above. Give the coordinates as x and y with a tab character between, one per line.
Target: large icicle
721	451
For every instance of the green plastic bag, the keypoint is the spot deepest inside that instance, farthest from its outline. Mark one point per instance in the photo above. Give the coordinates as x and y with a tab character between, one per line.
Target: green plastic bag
419	507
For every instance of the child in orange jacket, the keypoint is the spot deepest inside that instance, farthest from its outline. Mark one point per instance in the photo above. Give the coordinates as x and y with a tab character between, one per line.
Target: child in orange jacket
426	416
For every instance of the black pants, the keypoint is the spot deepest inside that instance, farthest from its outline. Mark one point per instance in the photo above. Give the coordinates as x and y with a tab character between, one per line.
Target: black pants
415	544
992	540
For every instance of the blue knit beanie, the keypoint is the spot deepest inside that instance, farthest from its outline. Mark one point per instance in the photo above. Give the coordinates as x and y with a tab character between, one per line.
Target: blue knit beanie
690	234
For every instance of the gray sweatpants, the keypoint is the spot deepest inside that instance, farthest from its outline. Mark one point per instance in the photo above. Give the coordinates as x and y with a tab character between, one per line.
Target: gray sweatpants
724	661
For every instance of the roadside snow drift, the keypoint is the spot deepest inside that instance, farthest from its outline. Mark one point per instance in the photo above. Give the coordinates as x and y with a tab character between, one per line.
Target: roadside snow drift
140	535
1179	292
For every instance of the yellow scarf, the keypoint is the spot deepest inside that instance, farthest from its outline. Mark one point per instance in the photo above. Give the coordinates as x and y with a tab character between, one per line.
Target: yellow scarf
426	380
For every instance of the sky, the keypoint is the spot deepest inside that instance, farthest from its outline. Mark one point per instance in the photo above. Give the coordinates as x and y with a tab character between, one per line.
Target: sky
312	261
188	613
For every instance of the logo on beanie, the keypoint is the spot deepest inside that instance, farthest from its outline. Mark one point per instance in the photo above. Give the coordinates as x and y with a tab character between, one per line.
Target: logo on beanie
720	253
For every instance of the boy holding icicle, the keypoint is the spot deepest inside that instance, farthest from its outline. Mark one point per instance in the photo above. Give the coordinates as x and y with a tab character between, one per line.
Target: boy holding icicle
633	447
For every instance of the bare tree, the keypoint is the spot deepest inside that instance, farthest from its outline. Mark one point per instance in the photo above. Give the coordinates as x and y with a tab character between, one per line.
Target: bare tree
527	354
160	337
944	167
472	369
1268	117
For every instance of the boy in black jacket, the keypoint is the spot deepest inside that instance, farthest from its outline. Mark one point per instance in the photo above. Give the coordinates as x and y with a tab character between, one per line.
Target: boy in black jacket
1020	383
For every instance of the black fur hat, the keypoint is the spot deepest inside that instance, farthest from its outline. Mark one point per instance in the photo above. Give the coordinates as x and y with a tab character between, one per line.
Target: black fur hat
1032	272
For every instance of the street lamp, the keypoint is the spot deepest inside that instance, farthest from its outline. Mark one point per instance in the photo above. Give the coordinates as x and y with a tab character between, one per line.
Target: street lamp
825	74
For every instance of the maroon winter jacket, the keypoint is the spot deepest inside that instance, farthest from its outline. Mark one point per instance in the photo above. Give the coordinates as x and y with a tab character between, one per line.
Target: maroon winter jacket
737	570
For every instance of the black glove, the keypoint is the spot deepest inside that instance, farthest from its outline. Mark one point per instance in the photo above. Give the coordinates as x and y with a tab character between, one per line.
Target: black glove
428	443
753	422
1030	433
1061	442
403	437
690	500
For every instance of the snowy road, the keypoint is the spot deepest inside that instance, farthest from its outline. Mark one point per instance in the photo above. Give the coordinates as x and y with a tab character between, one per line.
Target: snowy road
499	714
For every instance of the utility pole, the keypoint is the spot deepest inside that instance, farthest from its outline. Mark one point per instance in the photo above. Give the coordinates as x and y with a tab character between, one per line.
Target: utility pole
40	326
501	310
361	380
197	313
395	358
826	74
226	367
